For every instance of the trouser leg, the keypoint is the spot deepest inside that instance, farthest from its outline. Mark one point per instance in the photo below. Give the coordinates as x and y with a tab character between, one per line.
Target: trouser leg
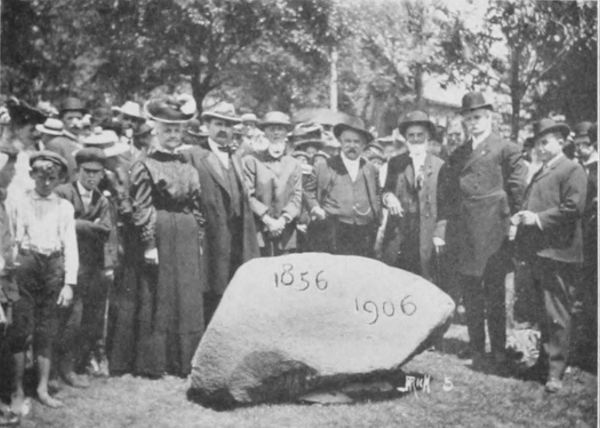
475	310
495	296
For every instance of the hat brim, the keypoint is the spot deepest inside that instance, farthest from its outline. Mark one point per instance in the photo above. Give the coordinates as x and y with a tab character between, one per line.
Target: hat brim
263	125
341	127
426	123
116	150
210	115
563	129
309	142
156	118
41	128
486	106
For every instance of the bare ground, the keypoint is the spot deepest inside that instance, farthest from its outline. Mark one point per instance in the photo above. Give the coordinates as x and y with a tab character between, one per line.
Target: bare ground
476	400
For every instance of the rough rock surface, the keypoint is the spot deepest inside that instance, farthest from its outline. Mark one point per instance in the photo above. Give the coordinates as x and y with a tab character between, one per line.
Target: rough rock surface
291	324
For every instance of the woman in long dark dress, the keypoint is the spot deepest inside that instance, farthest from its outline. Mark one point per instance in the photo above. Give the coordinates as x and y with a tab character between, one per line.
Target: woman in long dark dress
166	198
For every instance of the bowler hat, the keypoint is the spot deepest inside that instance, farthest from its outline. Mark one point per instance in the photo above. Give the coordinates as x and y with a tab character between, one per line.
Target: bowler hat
582	129
22	113
72	104
473	101
51	126
355	124
224	111
90	154
131	109
171	109
416	117
49	156
275	118
547	125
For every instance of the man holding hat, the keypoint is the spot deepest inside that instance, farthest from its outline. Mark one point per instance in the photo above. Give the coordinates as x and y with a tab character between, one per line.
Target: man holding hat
483	185
549	239
48	262
410	195
230	228
344	197
82	325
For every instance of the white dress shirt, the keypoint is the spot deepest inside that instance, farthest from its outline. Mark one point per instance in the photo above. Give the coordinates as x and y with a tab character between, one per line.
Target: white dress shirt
86	195
223	156
46	225
352	166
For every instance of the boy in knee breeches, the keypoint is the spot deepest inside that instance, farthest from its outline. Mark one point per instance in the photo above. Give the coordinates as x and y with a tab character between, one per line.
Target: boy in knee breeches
47	262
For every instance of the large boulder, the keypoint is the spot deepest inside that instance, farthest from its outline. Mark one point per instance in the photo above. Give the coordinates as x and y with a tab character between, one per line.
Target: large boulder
288	325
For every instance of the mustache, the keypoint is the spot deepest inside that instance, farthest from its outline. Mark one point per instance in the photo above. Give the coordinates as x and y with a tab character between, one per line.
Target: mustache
222	134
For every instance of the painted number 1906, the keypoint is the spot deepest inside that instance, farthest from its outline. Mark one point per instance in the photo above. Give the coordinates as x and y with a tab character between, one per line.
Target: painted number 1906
387	308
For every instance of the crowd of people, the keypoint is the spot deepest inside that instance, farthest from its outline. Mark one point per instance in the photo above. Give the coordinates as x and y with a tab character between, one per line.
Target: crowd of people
120	230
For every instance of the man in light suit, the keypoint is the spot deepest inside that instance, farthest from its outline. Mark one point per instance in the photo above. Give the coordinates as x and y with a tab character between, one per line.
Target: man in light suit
230	228
410	194
483	185
549	238
344	197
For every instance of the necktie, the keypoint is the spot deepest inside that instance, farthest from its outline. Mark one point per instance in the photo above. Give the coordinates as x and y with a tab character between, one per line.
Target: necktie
226	149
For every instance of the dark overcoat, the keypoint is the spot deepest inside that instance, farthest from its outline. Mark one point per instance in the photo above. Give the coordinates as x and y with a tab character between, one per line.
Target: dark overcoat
557	195
485	186
214	200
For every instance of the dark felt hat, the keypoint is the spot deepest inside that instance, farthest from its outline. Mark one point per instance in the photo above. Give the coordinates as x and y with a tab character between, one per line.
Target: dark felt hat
473	101
355	124
547	125
275	118
22	113
582	129
90	154
50	156
171	109
416	117
72	104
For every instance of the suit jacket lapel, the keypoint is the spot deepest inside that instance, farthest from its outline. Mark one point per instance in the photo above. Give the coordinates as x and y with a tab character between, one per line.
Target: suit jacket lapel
78	202
479	151
214	167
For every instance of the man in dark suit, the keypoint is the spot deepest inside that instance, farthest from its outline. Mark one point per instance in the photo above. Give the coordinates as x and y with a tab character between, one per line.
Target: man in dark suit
549	238
410	195
82	323
483	185
230	229
344	197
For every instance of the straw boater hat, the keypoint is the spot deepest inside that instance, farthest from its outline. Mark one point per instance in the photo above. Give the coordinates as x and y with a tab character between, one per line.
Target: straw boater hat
131	109
473	101
276	118
416	117
548	125
106	140
171	109
355	124
224	111
51	126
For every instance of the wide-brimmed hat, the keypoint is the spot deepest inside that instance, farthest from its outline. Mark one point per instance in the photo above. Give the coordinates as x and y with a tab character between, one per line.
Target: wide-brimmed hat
49	156
355	124
131	109
416	117
375	147
107	140
275	118
22	113
473	101
307	134
51	126
224	111
547	125
171	108
72	104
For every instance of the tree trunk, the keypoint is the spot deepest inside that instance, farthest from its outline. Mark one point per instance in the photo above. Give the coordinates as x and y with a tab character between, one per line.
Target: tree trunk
419	100
516	93
333	82
200	88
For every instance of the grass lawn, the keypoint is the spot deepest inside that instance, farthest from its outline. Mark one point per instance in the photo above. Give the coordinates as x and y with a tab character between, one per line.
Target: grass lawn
476	400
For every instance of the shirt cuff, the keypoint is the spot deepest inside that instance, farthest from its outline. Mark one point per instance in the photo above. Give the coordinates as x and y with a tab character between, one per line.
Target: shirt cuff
538	222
